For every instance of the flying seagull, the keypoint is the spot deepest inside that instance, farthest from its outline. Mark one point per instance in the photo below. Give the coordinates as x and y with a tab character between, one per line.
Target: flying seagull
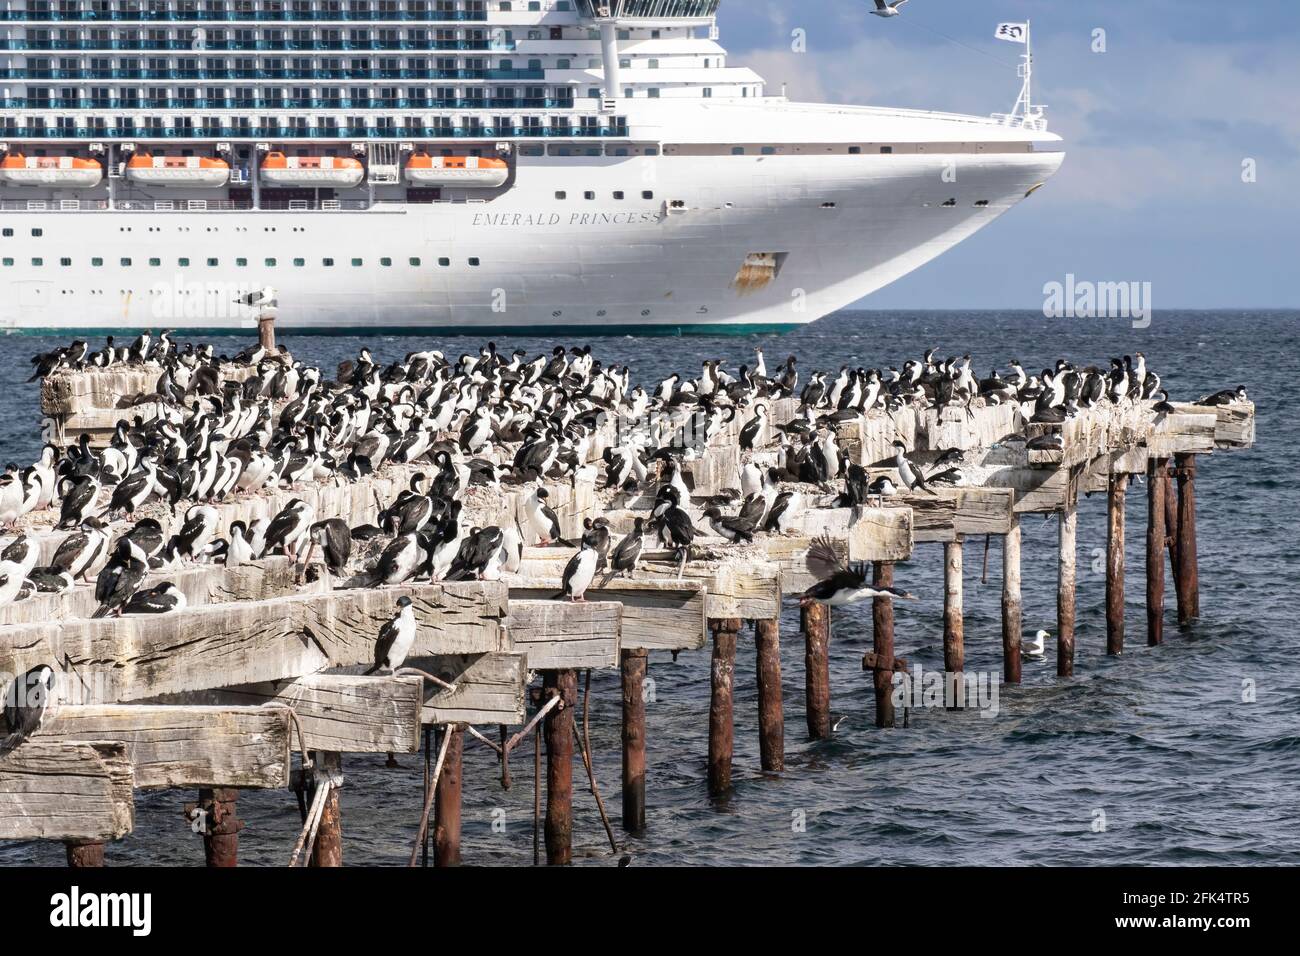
884	9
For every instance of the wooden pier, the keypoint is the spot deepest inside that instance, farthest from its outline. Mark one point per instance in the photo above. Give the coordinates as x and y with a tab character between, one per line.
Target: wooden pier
257	682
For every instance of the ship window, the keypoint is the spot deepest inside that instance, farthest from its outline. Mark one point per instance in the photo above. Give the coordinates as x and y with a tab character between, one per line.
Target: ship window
473	260
444	261
158	262
8	232
65	261
768	150
415	260
561	194
982	203
125	261
8	261
618	194
648	194
327	262
38	262
886	149
213	262
737	151
299	262
38	232
385	261
270	261
589	195
97	261
356	262
241	261
855	150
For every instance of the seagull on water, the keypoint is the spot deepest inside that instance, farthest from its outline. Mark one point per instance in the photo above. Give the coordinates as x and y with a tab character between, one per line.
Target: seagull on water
1034	651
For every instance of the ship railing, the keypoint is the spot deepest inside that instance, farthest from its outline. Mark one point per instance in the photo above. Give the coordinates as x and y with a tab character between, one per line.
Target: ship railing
217	205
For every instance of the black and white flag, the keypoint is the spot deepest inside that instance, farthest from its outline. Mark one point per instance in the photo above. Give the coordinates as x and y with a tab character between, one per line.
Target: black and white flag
1013	32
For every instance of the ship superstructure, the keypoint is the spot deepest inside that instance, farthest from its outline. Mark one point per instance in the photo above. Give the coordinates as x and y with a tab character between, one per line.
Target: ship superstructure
455	164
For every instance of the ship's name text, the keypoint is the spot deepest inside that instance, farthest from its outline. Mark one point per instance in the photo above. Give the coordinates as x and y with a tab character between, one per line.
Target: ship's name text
574	219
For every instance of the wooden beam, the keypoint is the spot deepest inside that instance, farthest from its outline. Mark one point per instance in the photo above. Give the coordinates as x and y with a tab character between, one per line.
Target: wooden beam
657	615
131	658
243	747
339	713
561	635
490	689
66	791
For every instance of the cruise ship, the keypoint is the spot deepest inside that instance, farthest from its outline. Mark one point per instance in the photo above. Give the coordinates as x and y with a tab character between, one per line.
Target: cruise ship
459	166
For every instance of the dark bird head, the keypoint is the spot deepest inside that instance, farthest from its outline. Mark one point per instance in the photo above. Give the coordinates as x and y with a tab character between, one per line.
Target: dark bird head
403	602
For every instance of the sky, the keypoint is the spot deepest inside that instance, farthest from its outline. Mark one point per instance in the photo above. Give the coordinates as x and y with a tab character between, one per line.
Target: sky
1159	128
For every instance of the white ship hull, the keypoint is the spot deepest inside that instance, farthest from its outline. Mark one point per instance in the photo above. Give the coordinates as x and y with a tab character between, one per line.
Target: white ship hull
542	262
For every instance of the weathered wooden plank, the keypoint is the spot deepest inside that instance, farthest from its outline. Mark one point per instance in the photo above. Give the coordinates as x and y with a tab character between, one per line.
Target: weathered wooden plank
870	441
559	635
338	713
490	689
657	615
131	658
956	427
186	746
66	791
873	534
201	585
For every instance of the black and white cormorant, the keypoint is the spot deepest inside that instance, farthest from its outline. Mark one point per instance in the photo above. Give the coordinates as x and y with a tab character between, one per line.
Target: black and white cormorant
161	599
28	699
396	638
842	583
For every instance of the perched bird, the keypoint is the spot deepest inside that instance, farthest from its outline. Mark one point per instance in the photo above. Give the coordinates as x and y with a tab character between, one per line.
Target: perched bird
627	554
162	599
544	521
909	474
335	539
396	638
27	702
579	572
120	579
841	583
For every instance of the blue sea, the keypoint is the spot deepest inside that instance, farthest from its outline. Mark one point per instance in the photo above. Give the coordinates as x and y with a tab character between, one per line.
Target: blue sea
1182	754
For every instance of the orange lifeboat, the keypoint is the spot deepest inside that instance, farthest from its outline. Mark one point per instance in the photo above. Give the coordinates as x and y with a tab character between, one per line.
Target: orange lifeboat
152	170
478	171
68	172
281	170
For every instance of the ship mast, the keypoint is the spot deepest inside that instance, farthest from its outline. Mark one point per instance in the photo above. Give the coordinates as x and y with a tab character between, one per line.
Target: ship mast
1026	113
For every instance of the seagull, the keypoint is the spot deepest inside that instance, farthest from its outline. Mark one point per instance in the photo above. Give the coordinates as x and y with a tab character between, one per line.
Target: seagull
1033	651
262	298
886	9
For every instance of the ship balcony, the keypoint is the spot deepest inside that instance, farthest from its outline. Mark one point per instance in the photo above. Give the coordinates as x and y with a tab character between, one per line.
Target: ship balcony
230	16
21	74
340	132
280	103
187	44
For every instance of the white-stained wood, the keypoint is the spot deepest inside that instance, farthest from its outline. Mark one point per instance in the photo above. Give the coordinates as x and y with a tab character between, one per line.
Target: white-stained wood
66	791
201	585
185	746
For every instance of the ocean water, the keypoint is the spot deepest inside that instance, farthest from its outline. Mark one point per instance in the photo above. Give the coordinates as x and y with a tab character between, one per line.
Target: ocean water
1157	745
